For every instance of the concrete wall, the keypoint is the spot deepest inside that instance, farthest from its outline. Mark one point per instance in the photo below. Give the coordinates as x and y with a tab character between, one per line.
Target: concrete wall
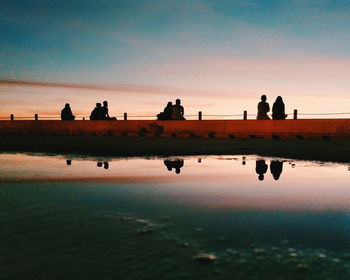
284	129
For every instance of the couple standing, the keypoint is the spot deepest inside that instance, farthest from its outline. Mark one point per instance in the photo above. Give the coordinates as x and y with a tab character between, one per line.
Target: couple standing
278	110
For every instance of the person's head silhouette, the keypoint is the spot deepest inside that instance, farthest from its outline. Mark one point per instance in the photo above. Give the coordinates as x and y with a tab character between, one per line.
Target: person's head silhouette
67	105
177	170
261	177
99	164
178	101
169	104
105	104
263	98
98	105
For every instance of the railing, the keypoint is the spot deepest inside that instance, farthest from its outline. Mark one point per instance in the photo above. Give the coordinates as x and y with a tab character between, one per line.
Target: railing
199	116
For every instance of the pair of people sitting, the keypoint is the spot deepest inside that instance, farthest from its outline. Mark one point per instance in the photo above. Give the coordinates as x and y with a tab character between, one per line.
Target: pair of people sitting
172	112
278	110
101	112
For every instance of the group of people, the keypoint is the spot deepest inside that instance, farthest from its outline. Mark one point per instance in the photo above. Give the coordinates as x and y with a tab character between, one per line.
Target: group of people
172	112
276	168
176	111
98	113
278	110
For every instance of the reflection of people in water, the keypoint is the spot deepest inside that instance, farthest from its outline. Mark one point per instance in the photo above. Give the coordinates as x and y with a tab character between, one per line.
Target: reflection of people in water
276	168
243	161
261	168
99	164
105	165
69	162
177	164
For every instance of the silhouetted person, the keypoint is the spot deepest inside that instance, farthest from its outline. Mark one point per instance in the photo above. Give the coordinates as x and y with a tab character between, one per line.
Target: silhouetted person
105	112
178	111
97	113
105	165
69	162
278	111
261	168
168	111
99	164
263	109
66	113
177	164
276	168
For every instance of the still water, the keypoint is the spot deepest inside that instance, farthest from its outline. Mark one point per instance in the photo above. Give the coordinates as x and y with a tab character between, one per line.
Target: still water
225	203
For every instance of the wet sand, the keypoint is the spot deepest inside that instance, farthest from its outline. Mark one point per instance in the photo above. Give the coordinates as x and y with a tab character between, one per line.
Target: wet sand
323	150
50	237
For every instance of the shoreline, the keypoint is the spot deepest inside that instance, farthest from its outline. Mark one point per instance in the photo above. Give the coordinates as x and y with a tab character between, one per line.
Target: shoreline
319	150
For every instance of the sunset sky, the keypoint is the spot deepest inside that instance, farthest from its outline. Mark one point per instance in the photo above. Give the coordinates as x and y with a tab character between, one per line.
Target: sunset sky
216	56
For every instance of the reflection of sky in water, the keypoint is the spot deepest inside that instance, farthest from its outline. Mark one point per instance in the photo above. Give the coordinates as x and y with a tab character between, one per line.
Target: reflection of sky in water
308	204
210	182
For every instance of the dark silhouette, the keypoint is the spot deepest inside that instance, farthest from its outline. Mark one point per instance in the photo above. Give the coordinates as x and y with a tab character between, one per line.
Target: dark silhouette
69	162
98	113
243	160
66	113
105	112
278	111
177	164
105	165
178	111
167	113
276	168
261	168
263	109
99	164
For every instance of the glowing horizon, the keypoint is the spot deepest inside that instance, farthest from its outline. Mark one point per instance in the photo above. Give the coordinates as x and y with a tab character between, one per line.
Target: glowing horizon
216	57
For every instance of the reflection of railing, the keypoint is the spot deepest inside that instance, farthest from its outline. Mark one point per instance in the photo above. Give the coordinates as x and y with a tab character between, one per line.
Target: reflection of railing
199	116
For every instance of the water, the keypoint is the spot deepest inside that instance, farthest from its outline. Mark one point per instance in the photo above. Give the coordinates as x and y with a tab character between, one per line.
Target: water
266	212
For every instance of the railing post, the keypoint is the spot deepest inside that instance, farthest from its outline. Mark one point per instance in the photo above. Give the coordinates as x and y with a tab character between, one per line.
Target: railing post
244	115
200	115
12	117
36	117
125	116
295	114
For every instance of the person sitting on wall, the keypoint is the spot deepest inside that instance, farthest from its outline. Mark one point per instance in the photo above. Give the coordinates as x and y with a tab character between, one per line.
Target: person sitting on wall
263	109
177	111
167	113
97	114
66	113
105	112
278	111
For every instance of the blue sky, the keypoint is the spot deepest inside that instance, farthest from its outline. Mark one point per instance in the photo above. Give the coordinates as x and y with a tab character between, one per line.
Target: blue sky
243	47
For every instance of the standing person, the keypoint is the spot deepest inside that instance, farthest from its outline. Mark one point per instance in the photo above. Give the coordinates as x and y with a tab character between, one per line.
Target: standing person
263	109
278	111
261	168
66	113
178	111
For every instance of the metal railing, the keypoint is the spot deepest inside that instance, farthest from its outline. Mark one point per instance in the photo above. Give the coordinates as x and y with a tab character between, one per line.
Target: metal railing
199	116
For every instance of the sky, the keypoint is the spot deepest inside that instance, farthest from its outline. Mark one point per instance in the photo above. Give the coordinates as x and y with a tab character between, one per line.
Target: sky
218	57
